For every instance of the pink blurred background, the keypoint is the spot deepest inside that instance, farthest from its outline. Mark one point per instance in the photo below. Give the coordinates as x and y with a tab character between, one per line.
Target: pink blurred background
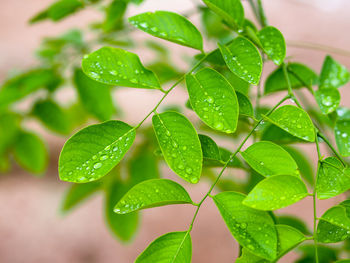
31	227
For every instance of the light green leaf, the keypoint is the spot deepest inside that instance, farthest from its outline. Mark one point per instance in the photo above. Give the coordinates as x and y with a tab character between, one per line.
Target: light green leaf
243	59
20	86
245	106
288	238
277	135
269	159
93	151
342	136
230	10
77	193
334	225
333	74
213	99
237	83
273	44
253	229
180	145
328	99
114	15
30	152
152	193
174	247
276	192
115	66
276	80
209	148
96	97
124	227
169	26
52	116
293	120
332	178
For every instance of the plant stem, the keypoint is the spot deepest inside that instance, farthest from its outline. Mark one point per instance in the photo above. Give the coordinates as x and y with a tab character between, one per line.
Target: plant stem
263	19
231	157
324	138
320	47
172	87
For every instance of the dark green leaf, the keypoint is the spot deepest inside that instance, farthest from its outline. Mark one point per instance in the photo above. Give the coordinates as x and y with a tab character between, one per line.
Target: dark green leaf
294	222
52	116
332	178
333	74
78	193
30	152
93	151
273	44
9	127
114	15
327	99
243	59
270	159
180	145
276	134
115	66
253	229
230	10
276	80
96	97
276	192
295	121
169	26
152	193
213	99
209	148
174	247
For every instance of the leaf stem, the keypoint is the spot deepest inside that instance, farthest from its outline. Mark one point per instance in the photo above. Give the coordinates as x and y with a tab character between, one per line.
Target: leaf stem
324	138
230	159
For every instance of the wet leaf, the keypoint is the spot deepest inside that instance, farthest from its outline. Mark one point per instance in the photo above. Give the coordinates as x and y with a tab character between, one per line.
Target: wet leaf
273	44
213	99
342	136
328	99
276	192
333	74
245	106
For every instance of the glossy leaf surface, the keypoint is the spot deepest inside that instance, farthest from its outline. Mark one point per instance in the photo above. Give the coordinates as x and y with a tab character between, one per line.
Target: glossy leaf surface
333	74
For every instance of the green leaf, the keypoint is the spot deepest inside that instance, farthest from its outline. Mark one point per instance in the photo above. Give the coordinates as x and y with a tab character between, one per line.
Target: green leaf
213	99
78	193
333	74
58	10
230	10
243	59
115	66
334	225
276	192
209	148
114	15
253	229
169	26
20	86
93	151
96	97
52	116
269	159
276	134
245	106
276	80
124	227
328	99
174	247
237	83
180	145
288	238
9	127
303	162
294	222
212	24
273	44
30	152
152	193
342	136
293	120
332	178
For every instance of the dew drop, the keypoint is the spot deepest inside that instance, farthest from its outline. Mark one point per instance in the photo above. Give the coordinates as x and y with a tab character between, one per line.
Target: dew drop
189	170
218	125
97	165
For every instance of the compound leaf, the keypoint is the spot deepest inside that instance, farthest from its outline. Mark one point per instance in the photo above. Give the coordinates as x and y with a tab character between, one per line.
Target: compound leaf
118	67
253	229
180	145
273	44
213	99
93	151
169	26
174	247
152	193
276	192
270	159
243	59
295	121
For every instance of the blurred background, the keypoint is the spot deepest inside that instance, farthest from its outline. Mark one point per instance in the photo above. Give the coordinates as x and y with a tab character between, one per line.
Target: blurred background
31	227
